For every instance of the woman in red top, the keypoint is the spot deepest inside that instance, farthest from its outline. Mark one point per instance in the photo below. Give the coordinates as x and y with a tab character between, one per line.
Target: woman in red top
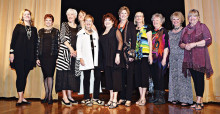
194	40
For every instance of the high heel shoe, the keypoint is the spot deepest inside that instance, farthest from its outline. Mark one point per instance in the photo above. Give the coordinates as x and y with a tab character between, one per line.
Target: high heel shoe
73	101
128	103
66	104
25	102
121	102
142	102
109	103
44	100
113	106
50	101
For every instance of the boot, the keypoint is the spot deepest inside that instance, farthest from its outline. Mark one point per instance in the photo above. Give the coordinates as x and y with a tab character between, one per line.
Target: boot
161	99
153	99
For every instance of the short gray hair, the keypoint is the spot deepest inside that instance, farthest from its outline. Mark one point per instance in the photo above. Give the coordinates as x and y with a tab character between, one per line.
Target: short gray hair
162	19
71	10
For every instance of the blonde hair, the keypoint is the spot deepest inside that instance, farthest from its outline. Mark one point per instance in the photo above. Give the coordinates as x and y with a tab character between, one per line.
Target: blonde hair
162	19
21	20
124	8
178	15
135	23
71	10
193	12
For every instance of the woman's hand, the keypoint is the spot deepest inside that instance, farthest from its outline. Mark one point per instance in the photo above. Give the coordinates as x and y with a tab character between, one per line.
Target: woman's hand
131	59
163	62
150	59
117	59
11	57
72	52
38	62
82	62
190	46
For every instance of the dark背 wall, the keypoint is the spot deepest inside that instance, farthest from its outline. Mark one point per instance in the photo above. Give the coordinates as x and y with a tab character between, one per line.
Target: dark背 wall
97	8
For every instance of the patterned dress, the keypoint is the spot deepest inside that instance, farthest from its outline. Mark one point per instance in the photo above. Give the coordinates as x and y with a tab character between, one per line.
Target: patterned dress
180	88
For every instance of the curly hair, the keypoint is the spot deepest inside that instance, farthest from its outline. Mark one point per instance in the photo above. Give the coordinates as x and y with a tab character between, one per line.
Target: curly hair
111	17
49	16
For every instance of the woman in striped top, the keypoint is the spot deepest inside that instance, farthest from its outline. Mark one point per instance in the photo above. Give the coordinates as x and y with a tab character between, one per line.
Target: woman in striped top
66	81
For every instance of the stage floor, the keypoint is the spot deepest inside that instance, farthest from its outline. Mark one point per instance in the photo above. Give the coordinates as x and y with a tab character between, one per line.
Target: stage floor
7	106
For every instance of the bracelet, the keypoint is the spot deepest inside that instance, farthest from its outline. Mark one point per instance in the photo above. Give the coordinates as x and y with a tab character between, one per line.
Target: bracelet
118	51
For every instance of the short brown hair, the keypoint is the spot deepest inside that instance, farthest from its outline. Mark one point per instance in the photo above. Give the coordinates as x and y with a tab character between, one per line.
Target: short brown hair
179	15
89	16
111	17
49	16
124	8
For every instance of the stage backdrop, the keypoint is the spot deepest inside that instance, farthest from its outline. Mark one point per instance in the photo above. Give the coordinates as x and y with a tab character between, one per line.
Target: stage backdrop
210	15
9	13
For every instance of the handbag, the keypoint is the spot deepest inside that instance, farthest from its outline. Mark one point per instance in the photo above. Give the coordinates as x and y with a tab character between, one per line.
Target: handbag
128	52
77	71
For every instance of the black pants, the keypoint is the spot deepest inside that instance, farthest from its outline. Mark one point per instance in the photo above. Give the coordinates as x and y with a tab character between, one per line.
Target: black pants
142	73
86	83
113	78
199	83
22	70
158	72
127	82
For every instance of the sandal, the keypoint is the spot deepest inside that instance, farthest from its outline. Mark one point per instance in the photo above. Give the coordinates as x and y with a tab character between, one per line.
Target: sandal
121	102
84	101
113	106
73	102
128	103
138	101
197	106
142	102
97	102
88	103
174	102
109	103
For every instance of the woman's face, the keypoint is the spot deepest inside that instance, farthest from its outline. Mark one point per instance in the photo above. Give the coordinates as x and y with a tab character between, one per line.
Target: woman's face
88	23
193	19
123	15
48	22
81	16
108	23
157	22
71	17
139	18
26	16
176	21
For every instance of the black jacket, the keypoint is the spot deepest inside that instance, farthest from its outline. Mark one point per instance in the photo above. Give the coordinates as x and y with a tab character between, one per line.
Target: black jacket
54	44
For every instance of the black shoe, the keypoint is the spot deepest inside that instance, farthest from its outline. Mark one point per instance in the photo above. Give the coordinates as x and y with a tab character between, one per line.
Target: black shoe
73	101
155	99
161	99
64	103
26	102
44	100
50	101
18	104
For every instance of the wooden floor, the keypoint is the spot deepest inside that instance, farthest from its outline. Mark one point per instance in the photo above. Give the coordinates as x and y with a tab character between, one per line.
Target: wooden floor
7	106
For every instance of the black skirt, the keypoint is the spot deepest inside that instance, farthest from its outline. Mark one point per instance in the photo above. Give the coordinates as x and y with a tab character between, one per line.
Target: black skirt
48	64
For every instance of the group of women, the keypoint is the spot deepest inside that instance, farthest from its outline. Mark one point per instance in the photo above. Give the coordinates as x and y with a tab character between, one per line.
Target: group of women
124	51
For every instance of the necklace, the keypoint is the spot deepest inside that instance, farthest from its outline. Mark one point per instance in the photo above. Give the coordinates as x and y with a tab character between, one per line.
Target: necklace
28	30
90	30
177	28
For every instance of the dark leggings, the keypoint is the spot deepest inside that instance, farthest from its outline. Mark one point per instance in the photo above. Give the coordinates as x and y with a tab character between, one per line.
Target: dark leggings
22	70
113	79
127	82
199	83
158	72
142	73
86	83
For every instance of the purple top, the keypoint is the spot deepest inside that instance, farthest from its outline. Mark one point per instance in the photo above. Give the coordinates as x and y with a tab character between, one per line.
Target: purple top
198	57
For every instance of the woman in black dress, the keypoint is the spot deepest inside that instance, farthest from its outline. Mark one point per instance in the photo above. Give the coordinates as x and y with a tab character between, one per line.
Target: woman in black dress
110	57
22	52
47	50
66	80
